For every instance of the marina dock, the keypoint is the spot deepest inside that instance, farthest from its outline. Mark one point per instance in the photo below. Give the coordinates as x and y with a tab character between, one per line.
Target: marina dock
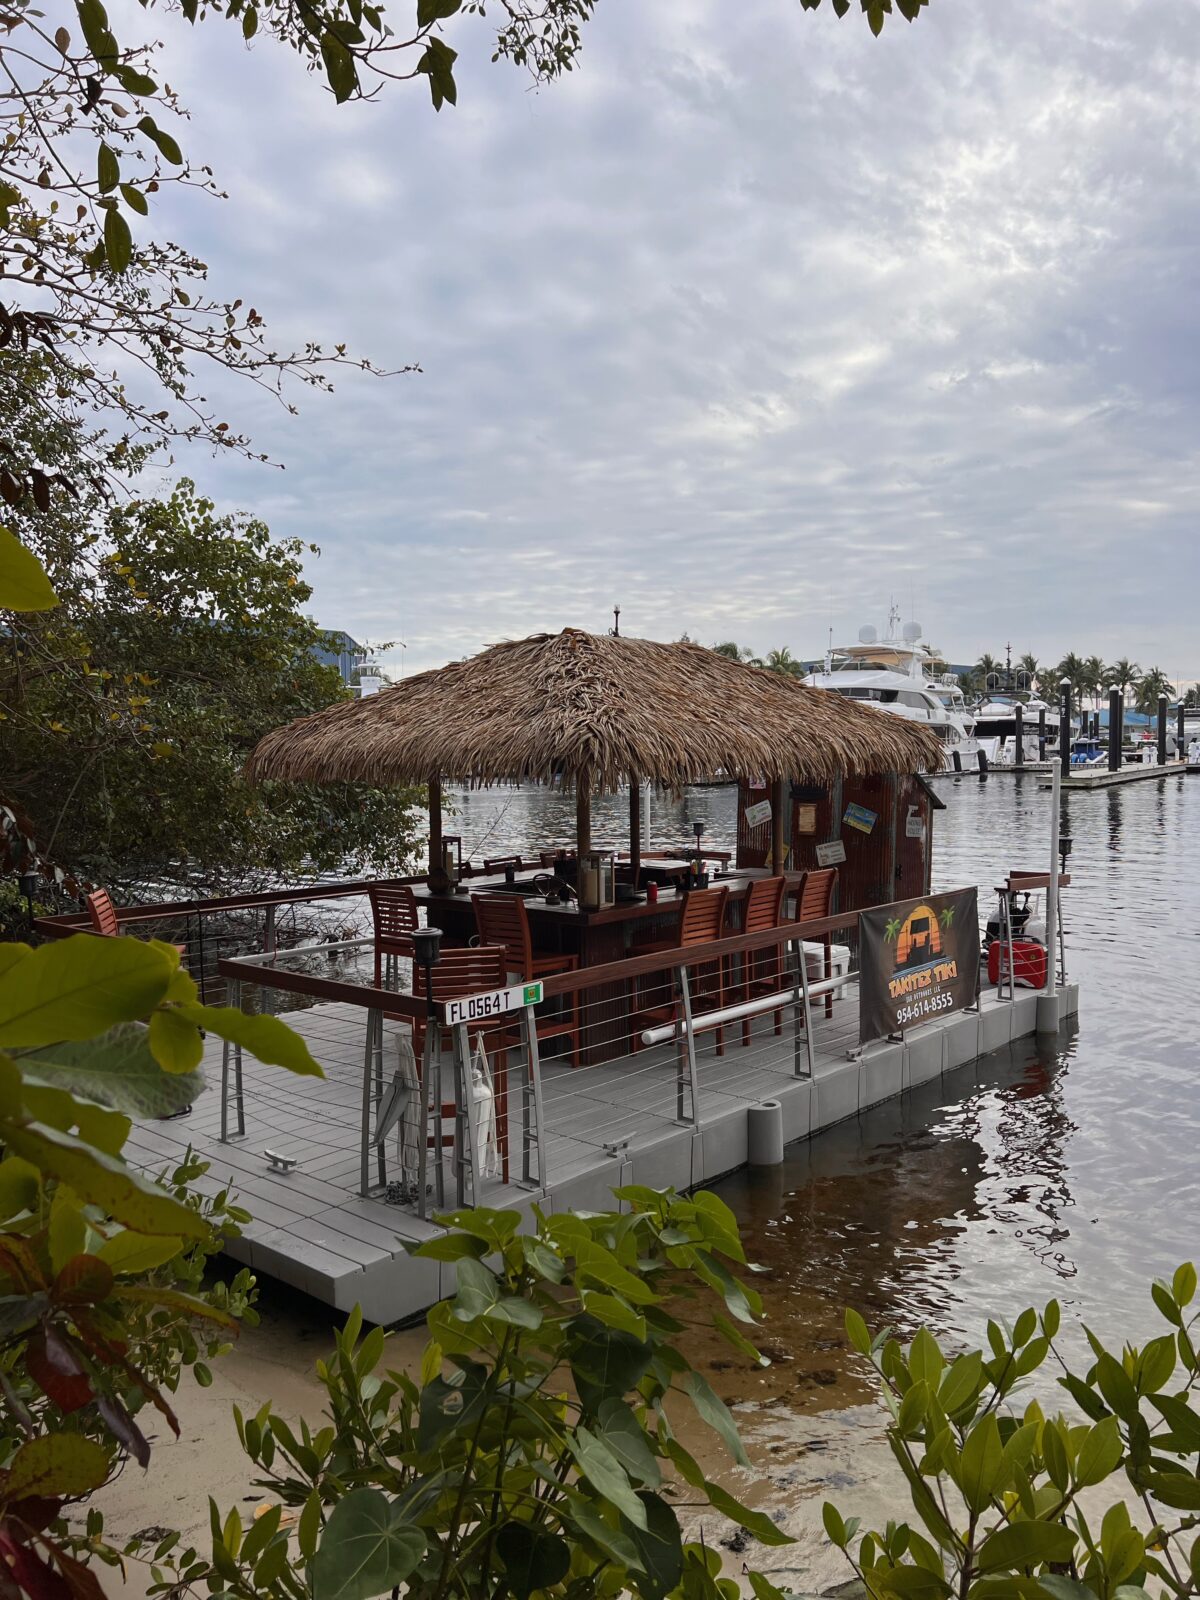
604	1125
1100	779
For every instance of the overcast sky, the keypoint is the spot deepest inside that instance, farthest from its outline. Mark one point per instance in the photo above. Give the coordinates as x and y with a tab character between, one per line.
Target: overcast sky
751	324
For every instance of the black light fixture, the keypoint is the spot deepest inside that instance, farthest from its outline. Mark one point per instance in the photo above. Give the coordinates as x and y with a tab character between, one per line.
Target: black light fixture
28	882
698	870
427	943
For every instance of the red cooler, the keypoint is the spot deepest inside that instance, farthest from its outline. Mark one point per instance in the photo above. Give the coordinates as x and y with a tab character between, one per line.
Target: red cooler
1028	958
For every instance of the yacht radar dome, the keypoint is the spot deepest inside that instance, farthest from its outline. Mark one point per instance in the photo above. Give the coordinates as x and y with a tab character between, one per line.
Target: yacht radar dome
911	632
867	635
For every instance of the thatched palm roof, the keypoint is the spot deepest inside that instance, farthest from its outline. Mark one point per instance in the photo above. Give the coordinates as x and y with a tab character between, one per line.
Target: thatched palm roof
568	704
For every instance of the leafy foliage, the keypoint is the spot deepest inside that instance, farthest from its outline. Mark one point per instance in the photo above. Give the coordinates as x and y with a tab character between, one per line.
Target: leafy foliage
127	710
997	1492
537	1451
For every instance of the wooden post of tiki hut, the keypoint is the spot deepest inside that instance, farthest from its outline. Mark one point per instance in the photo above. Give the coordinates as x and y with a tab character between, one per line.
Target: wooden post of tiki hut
594	710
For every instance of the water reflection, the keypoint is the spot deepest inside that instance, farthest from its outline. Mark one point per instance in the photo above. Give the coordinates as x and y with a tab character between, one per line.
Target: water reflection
1059	1169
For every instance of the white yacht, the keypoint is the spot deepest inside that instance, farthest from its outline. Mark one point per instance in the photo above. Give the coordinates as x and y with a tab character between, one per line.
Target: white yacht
996	723
902	675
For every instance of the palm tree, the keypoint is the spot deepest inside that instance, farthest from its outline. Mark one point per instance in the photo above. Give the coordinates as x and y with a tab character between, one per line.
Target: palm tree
986	667
1094	683
1151	686
1074	669
734	652
1030	666
784	661
1124	674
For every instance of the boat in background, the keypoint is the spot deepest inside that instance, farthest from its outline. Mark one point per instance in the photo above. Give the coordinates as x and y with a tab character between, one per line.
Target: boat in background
901	675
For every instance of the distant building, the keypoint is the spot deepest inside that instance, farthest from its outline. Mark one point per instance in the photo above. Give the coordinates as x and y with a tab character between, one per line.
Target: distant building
342	652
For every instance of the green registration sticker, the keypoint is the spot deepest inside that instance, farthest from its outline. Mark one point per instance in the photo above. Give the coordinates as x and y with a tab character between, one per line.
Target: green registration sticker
533	994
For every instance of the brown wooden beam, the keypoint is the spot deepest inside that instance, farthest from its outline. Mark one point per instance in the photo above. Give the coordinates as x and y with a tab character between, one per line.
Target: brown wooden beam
635	823
435	823
778	828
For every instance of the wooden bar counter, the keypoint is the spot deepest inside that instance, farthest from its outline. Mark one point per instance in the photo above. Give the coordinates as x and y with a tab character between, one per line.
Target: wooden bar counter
596	937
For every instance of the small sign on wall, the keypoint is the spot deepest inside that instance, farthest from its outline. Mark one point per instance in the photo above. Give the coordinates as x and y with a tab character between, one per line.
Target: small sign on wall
860	817
806	819
914	827
756	815
831	854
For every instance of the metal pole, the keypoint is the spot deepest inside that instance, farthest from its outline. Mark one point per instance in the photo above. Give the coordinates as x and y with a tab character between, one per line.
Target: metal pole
1008	936
647	796
1052	890
1064	727
1180	747
364	1154
432	1046
1019	753
635	824
234	995
464	1120
689	1045
803	1010
1115	718
1162	730
533	1092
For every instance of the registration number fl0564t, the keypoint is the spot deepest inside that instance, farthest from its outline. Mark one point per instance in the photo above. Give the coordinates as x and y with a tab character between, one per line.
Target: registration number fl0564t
492	1003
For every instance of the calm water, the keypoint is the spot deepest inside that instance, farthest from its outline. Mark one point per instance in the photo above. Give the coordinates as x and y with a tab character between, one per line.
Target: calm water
1066	1170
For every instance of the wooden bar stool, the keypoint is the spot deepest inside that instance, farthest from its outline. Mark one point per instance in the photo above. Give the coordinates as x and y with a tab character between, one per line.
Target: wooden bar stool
476	969
814	900
396	916
701	921
503	920
762	970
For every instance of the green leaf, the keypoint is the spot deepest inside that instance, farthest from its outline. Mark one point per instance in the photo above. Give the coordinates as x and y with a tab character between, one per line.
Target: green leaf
857	1332
925	1359
962	1383
164	142
1099	1453
605	1362
606	1475
601	1266
132	1254
339	67
1178	1489
448	1247
754	1522
624	1435
438	61
20	1187
533	1558
713	1410
982	1458
135	199
614	1313
1165	1301
175	1041
56	1466
78	987
430	11
116	1069
1116	1386
450	1404
1183	1285
102	1180
267	1039
118	241
835	1526
367	1548
1182	1420
1054	1453
24	585
68	1229
10	954
1026	1544
659	1545
108	169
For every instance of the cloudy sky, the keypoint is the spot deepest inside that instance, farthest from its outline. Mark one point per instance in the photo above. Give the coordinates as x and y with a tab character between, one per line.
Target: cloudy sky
751	324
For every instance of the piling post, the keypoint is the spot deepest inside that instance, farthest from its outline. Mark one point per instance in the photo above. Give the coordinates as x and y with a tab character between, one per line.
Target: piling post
1064	726
1180	744
1162	730
1047	1006
1019	753
1042	734
1116	717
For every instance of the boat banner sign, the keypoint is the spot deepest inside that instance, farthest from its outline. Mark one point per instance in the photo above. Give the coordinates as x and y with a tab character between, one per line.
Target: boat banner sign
919	960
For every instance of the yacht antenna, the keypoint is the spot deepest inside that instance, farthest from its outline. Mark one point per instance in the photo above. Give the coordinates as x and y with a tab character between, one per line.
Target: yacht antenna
829	653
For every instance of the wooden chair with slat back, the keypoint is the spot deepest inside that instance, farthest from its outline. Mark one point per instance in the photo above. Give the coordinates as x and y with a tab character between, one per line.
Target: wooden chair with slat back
102	914
701	921
814	900
498	863
396	918
474	969
503	920
762	970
